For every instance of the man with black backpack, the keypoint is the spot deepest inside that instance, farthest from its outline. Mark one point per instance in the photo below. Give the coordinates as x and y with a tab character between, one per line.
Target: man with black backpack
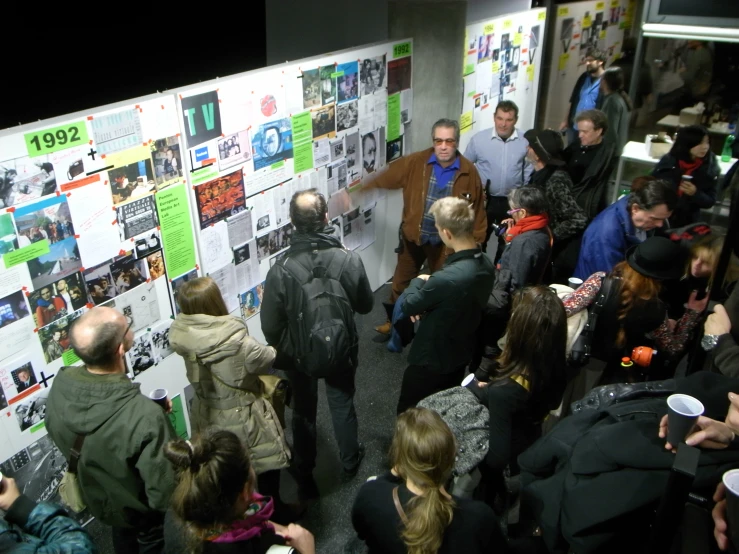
310	297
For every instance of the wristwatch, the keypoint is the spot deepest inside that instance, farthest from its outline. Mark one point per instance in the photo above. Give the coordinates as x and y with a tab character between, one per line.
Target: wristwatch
708	342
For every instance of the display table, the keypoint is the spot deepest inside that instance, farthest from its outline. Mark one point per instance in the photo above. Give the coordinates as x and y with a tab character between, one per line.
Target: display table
636	152
673	121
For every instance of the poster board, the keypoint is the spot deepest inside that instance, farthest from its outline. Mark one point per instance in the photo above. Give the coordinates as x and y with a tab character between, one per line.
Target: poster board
502	61
108	207
578	27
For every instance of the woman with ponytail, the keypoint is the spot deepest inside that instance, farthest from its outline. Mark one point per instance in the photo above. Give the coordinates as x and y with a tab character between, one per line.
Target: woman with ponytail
216	504
408	509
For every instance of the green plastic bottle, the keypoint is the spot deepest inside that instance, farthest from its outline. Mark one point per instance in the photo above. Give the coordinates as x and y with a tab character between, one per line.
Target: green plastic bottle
726	152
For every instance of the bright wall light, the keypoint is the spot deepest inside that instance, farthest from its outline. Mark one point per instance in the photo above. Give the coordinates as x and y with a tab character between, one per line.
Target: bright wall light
690	32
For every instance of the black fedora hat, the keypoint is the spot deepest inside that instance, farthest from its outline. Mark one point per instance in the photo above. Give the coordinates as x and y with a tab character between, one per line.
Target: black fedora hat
657	257
547	144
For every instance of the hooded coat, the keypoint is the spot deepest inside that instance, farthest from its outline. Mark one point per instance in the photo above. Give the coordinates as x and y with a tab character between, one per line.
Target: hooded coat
223	365
123	475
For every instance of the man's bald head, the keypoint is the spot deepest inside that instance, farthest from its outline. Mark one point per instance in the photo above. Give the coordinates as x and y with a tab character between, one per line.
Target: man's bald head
308	210
97	335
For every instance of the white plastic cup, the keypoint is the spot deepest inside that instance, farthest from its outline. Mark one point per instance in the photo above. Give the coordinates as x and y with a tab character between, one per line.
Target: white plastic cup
731	482
682	412
574	282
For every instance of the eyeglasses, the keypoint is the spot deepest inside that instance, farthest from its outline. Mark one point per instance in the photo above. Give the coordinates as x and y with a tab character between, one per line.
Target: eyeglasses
440	141
130	324
513	211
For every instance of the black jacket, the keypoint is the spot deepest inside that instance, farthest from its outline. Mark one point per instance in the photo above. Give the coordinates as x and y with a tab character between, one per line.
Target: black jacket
590	192
595	479
451	302
705	178
281	291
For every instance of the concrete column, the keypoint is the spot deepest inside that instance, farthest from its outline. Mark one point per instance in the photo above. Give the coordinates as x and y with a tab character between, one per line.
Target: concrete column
437	29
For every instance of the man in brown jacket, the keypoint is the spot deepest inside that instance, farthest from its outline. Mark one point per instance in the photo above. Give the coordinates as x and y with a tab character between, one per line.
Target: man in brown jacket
425	177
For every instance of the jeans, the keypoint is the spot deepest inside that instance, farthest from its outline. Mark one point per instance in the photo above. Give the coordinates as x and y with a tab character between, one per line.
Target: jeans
402	331
340	396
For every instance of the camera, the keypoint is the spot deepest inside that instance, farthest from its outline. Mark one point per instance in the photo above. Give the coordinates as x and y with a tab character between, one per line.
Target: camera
498	229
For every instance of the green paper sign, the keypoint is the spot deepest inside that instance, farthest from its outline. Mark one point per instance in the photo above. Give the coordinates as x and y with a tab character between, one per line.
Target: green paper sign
51	140
38	427
277	165
302	142
27	253
70	357
177	418
176	228
401	50
201	176
393	116
469	68
337	74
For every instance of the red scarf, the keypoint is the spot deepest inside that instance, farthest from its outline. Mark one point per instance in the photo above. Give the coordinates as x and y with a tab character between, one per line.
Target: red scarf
687	168
528	223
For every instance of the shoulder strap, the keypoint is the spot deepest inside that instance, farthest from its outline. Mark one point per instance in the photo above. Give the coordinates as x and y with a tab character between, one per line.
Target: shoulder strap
399	506
299	272
75	453
597	307
336	265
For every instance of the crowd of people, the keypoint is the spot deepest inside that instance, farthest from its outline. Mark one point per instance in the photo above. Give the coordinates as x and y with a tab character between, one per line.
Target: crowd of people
493	243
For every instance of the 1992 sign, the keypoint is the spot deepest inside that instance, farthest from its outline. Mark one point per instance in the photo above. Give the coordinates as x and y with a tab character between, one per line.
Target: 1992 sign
56	138
402	49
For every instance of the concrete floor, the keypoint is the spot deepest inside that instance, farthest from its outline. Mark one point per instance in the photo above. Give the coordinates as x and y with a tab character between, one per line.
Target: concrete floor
378	384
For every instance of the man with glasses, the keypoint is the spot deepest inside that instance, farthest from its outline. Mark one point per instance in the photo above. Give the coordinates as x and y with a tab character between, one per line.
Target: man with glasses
124	478
425	177
500	157
586	95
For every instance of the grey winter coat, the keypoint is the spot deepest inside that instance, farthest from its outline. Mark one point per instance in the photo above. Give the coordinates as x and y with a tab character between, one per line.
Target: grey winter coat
223	363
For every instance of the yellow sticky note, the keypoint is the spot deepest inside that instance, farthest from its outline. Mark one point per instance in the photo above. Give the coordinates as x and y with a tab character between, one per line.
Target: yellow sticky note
587	22
489	28
602	35
542	16
563	59
465	120
496	67
129	156
561	12
600	6
530	72
615	3
517	38
507	24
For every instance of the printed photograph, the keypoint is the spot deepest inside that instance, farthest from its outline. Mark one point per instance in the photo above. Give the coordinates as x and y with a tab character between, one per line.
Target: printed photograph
13	308
58	299
167	161
324	122
394	149
38	471
273	142
100	283
347	115
347	82
137	217
54	337
372	75
234	149
141	305
220	198
370	161
251	301
32	410
177	283
63	259
337	149
156	265
24	179
353	166
328	84
8	236
484	48
311	89
160	340
128	273
148	244
141	355
274	241
131	181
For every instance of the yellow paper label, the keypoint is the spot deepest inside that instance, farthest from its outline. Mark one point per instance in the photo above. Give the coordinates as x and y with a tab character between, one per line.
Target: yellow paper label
542	16
615	3
600	6
465	120
507	24
563	59
602	35
496	67
517	38
489	28
561	12
587	22
530	72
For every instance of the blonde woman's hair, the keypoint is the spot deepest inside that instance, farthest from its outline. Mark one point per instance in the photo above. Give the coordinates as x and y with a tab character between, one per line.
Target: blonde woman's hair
455	215
201	296
423	451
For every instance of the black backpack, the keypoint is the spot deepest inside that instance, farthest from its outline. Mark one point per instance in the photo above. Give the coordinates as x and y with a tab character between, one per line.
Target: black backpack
323	333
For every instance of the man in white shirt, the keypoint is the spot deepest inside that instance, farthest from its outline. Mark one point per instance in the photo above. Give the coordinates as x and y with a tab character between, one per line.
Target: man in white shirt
500	157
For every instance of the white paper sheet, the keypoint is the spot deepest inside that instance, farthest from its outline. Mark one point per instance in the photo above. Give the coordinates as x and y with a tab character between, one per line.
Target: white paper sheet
17	337
406	106
225	278
239	228
368	228
263	212
94	221
380	108
14	279
353	223
339	203
140	303
321	152
215	249
247	266
282	195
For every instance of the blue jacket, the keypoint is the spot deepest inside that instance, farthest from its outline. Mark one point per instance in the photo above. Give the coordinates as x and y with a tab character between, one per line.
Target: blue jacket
606	240
42	529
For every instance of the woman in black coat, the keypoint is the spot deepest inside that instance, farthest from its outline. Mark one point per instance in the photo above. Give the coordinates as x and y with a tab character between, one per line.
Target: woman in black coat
693	170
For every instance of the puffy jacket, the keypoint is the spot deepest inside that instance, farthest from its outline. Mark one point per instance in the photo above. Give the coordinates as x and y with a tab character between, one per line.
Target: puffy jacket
282	292
705	178
412	174
606	240
44	528
124	477
223	364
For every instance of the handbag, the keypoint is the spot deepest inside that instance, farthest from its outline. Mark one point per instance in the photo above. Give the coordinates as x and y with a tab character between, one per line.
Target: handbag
581	348
69	488
278	393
